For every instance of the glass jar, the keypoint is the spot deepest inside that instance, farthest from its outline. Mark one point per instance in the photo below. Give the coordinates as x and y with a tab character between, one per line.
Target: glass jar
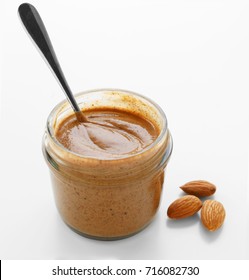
108	198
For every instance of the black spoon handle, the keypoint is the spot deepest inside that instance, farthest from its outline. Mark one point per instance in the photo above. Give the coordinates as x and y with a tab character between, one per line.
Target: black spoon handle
36	29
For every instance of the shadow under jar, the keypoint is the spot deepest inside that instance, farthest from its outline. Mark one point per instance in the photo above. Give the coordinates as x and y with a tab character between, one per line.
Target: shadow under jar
108	198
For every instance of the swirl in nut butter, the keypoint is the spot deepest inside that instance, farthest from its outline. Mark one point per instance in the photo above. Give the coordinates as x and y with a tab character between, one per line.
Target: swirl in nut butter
110	134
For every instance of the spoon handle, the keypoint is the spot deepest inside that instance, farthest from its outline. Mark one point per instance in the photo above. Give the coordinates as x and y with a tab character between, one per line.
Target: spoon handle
36	29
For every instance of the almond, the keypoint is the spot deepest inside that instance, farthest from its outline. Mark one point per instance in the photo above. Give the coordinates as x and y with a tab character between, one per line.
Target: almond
184	207
199	188
212	214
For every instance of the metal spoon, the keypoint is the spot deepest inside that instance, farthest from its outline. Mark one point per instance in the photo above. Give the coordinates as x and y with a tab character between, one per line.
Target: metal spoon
38	33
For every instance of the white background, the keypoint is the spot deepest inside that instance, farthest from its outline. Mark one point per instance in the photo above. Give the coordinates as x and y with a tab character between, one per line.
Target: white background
191	57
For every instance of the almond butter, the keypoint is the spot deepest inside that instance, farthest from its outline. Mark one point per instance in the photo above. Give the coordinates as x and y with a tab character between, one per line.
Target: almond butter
184	207
199	188
212	214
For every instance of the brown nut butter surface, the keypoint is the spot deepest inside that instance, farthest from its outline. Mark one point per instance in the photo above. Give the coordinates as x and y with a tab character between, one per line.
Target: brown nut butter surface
107	134
107	173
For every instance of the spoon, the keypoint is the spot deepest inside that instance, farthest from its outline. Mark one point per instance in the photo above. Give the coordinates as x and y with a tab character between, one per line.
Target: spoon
38	33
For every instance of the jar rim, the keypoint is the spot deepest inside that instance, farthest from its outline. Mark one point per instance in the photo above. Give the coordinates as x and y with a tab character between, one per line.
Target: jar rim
53	114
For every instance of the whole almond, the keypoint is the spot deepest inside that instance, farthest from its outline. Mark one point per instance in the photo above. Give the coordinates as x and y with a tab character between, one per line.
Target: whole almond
199	188
184	207
212	214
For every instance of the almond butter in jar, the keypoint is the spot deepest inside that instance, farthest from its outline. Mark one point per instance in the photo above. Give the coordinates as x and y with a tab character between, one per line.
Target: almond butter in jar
107	174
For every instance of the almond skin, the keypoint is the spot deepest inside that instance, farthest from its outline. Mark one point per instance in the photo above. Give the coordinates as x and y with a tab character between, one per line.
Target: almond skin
184	207
199	188
212	214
